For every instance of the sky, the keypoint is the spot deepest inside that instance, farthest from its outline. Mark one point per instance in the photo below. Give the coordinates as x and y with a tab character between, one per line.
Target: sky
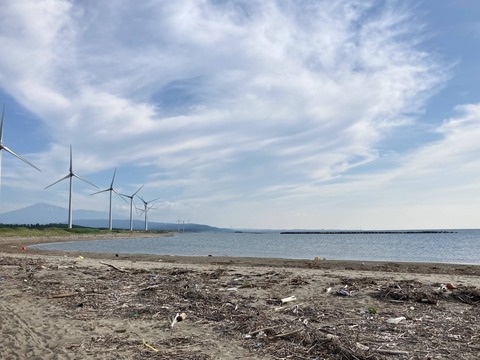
305	114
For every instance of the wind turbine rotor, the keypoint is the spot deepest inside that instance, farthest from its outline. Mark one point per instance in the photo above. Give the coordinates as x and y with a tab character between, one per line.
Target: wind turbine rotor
70	176
131	197
110	189
146	209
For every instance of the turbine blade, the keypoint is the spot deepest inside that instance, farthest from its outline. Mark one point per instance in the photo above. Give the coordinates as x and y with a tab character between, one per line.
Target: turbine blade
6	148
98	192
121	196
85	180
56	182
150	207
154	200
135	193
1	123
19	157
71	161
113	178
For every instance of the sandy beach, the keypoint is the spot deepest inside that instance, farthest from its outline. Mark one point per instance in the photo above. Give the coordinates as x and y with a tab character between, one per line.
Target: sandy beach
56	305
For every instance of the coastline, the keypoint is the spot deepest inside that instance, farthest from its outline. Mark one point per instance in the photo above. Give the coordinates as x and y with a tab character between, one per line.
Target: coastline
13	245
74	305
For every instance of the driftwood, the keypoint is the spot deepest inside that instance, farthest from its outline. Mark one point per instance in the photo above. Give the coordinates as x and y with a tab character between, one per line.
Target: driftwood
285	309
330	327
264	329
391	352
113	267
287	333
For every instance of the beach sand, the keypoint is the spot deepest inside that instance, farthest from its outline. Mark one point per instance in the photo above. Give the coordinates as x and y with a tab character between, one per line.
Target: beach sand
56	305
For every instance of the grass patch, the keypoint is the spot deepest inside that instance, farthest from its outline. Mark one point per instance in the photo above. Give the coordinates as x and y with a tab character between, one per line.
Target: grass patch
49	231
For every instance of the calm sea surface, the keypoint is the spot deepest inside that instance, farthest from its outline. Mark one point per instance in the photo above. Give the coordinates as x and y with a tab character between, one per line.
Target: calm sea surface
461	247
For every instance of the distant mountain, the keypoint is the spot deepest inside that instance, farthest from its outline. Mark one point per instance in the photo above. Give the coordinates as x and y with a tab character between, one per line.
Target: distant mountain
44	214
47	214
140	225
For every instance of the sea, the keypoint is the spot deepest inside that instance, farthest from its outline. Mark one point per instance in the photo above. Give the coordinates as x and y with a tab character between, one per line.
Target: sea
452	246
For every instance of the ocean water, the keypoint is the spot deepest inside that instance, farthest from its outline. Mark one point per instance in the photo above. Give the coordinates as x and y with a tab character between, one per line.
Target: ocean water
459	247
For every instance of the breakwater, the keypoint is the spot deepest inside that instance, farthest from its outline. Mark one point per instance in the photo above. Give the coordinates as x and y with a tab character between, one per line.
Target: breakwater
369	232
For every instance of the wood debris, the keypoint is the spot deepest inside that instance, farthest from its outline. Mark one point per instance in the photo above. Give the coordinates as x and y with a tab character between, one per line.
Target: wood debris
323	325
113	266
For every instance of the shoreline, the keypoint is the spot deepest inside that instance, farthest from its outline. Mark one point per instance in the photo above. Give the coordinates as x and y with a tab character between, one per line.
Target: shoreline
14	245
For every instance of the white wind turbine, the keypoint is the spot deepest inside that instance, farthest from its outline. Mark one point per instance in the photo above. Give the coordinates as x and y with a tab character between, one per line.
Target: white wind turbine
71	175
3	147
146	208
110	189
131	205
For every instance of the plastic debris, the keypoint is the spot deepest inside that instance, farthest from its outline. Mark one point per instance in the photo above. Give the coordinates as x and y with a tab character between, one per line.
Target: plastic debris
442	288
396	320
343	292
177	318
288	299
150	346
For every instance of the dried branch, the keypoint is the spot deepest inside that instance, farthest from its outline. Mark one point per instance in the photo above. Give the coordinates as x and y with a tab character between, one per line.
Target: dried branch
113	267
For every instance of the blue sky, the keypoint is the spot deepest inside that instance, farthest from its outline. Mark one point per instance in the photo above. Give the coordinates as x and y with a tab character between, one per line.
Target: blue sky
259	114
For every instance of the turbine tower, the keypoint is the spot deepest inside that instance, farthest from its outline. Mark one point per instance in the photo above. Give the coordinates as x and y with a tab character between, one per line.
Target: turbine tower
146	208
110	189
71	175
131	205
3	147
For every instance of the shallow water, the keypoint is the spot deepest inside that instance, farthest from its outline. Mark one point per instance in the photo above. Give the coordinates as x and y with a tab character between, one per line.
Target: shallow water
461	247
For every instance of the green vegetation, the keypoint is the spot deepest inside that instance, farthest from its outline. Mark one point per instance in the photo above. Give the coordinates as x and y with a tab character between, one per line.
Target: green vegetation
56	230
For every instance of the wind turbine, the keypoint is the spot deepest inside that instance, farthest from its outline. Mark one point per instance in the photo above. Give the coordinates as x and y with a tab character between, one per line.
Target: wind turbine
181	221
71	175
110	189
146	208
3	147
131	205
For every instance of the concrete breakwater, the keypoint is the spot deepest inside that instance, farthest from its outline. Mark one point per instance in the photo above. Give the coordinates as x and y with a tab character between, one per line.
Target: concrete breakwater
369	232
